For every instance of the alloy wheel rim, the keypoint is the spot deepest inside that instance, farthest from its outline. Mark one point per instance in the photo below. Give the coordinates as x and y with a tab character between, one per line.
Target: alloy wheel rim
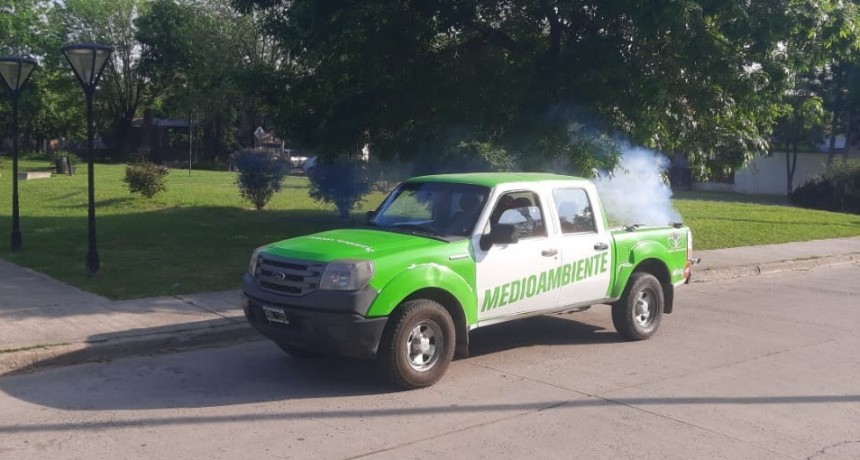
643	309
424	345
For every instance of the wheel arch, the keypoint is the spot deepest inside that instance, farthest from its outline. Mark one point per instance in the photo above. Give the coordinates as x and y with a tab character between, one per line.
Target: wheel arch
653	266
437	283
659	270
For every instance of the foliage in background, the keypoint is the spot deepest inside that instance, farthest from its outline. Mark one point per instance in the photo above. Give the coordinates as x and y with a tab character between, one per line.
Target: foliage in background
838	190
51	102
464	156
124	88
260	175
145	178
341	181
698	77
799	126
709	80
192	58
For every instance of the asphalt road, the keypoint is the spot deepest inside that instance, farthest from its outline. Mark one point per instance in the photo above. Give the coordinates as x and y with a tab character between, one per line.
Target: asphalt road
761	367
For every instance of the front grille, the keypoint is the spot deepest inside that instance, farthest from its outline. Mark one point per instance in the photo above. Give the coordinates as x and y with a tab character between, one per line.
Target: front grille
288	276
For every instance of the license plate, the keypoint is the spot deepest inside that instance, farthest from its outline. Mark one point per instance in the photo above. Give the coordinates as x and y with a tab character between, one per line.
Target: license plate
276	315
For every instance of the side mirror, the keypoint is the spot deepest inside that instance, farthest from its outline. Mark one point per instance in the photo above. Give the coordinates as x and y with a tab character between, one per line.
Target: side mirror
369	217
500	234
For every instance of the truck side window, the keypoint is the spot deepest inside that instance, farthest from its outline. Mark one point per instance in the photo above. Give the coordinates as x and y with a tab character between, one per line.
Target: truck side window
521	209
574	210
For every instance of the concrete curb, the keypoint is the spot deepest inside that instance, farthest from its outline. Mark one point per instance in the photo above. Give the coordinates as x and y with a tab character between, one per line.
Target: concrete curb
724	273
187	337
179	339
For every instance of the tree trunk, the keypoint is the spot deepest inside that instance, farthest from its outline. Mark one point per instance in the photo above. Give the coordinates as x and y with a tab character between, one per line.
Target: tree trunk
831	148
122	132
790	167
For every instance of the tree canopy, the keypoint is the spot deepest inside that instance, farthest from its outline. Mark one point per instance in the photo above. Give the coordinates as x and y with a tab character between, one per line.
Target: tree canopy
538	78
491	83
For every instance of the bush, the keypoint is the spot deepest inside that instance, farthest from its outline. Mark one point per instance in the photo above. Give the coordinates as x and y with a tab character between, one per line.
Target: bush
837	191
260	175
342	182
145	178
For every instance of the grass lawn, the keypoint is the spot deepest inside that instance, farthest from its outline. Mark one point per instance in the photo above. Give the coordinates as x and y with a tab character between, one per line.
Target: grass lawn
723	220
197	236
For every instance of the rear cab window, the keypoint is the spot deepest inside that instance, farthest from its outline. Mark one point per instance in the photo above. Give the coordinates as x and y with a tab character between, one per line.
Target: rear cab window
575	211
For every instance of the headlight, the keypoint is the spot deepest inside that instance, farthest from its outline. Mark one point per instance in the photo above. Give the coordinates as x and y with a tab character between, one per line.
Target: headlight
255	256
347	275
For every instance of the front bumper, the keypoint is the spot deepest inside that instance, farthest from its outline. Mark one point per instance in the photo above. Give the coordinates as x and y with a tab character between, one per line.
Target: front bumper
341	331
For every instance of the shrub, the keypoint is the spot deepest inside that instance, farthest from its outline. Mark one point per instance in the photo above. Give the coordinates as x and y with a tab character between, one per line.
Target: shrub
342	182
260	175
145	178
466	156
837	191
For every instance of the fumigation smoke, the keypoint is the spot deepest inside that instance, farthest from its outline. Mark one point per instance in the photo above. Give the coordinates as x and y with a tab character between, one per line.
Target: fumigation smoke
636	191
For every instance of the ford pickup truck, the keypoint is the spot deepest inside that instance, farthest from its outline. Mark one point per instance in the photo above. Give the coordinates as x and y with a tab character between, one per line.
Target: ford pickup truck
446	254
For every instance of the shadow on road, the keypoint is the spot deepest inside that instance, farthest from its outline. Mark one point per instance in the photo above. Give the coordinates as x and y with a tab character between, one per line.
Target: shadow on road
540	330
251	373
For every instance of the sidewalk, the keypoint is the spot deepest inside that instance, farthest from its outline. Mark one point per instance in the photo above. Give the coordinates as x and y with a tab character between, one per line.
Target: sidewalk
44	322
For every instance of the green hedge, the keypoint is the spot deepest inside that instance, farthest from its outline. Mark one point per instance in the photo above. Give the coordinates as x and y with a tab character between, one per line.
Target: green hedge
839	190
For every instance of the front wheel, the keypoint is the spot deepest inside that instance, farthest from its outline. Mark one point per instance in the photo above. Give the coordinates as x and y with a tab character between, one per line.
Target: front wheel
417	344
637	314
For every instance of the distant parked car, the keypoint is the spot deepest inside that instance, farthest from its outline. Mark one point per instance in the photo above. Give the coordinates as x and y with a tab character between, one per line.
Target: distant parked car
298	161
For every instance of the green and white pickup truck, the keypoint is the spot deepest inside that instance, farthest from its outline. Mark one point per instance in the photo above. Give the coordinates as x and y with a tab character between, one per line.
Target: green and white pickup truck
446	254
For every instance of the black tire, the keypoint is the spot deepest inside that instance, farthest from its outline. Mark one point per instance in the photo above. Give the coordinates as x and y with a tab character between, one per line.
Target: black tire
417	344
638	313
296	352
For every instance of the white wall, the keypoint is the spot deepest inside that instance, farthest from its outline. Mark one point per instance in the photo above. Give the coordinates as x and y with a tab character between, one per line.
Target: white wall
766	175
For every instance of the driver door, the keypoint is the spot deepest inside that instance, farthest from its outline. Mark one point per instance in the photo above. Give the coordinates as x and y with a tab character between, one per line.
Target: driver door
509	276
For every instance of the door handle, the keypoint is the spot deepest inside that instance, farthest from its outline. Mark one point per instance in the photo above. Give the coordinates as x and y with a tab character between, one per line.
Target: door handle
601	246
549	252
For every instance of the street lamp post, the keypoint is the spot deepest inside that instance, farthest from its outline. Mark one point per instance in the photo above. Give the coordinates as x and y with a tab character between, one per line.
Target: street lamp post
88	61
15	71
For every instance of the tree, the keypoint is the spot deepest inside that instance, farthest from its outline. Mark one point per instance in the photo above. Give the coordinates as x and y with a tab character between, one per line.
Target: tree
701	77
49	105
204	59
815	102
342	182
261	175
800	126
22	26
124	86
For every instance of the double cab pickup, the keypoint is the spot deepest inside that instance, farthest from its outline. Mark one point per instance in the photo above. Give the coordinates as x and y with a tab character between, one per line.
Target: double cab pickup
444	255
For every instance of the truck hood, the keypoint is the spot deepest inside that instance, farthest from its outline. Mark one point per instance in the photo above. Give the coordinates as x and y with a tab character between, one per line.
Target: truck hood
348	244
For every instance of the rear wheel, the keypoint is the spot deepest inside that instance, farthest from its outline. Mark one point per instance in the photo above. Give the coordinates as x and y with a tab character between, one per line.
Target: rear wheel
417	344
637	314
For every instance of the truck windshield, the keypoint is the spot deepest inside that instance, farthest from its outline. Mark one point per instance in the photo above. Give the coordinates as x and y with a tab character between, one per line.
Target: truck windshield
436	209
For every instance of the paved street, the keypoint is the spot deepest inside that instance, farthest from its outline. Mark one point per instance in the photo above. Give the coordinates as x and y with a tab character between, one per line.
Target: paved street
758	367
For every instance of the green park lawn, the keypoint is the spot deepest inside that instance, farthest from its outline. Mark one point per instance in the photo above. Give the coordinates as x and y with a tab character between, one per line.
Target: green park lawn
198	234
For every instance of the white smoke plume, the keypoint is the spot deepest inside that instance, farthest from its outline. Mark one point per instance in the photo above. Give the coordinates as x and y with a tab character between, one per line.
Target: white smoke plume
635	192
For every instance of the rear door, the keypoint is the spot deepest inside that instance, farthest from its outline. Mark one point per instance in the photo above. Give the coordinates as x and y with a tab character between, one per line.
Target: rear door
586	249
